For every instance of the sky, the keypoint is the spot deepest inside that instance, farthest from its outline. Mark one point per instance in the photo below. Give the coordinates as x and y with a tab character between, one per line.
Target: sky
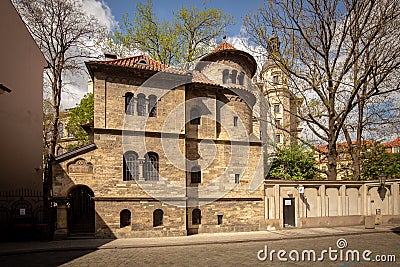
164	9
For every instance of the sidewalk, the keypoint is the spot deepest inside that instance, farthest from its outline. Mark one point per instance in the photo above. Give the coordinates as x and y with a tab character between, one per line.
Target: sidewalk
10	248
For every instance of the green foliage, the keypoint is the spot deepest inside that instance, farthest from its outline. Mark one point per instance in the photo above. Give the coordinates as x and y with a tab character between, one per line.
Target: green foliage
184	40
293	163
376	161
80	115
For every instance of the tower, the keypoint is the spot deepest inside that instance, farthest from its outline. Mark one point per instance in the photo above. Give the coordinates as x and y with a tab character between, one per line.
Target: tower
282	101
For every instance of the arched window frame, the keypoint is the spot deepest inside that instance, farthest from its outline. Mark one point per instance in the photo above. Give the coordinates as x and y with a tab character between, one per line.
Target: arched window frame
124	218
241	78
129	103
150	167
225	76
195	117
158	217
130	166
195	175
152	106
141	105
234	76
196	216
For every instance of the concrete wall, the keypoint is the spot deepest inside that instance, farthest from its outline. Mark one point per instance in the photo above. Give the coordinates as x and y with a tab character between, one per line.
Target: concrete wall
336	203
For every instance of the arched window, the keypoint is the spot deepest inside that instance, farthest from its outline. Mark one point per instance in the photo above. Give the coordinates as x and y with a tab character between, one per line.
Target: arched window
158	215
152	106
124	218
195	175
129	103
241	78
131	166
225	76
233	76
60	130
194	116
150	167
196	216
141	104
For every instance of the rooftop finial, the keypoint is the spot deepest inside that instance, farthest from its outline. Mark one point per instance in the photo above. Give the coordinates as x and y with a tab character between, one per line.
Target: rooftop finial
224	37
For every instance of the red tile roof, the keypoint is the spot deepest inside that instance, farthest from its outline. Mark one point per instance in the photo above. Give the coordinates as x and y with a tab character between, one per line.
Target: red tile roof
224	46
140	62
199	77
343	145
395	142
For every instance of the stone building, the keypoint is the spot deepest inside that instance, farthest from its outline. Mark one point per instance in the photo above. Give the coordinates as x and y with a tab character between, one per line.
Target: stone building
174	151
21	172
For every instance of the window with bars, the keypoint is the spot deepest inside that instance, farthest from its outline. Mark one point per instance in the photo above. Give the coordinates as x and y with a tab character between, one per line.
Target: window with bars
141	105
131	166
237	178
129	103
150	167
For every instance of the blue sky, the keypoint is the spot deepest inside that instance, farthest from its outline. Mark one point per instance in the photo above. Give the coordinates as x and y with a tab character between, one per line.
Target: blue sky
164	8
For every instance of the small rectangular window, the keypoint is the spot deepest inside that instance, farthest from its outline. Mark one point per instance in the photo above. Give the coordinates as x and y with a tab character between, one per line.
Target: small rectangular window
220	219
237	178
277	108
278	123
235	121
278	138
276	79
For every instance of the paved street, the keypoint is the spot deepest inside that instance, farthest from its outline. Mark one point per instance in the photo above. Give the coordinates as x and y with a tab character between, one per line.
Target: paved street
229	254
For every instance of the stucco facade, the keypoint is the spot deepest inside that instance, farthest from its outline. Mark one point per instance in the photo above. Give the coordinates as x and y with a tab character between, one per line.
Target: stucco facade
21	71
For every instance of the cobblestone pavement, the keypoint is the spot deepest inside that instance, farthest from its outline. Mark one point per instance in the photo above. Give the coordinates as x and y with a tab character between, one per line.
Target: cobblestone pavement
230	254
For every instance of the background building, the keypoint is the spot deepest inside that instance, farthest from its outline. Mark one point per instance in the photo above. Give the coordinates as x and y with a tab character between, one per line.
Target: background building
283	103
21	173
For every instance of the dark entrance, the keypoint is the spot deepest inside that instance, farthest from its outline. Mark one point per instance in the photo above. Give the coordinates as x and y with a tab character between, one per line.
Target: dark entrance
81	211
288	212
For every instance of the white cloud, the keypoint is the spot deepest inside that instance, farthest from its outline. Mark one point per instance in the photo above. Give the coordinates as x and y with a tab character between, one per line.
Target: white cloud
101	11
75	86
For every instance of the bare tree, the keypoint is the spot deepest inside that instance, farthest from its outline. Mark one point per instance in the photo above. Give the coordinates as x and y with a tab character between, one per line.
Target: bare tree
332	54
63	32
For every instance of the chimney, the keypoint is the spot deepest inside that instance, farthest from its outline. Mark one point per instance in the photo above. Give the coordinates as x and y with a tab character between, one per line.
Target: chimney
110	56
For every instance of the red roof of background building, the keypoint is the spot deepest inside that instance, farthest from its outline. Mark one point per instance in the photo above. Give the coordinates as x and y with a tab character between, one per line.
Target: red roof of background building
343	145
395	142
224	46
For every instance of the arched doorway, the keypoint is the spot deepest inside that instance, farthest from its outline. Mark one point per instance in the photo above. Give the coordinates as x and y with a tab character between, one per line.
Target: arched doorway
81	211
